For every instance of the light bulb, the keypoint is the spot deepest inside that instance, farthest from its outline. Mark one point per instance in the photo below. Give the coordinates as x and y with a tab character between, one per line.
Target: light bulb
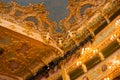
95	51
116	62
78	63
106	78
83	49
113	37
117	22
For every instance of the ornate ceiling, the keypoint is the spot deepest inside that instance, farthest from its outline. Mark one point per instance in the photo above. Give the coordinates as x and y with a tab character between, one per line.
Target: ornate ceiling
54	7
31	44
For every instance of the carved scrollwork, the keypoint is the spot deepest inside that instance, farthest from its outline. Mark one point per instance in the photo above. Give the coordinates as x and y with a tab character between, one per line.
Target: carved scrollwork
21	13
72	7
71	17
79	10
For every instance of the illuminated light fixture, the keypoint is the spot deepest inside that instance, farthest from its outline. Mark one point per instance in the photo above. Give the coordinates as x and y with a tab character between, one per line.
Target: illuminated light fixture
110	67
113	37
116	62
95	51
83	49
118	40
78	63
117	22
87	48
106	78
84	68
82	65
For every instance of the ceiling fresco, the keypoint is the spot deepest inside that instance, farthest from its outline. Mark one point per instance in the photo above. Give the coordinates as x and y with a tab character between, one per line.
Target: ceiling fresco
57	8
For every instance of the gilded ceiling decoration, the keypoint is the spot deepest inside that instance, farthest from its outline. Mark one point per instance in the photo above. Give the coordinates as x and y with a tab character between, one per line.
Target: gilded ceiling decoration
32	47
21	56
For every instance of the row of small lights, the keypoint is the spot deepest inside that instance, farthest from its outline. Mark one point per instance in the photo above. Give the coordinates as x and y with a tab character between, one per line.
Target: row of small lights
84	50
115	62
117	23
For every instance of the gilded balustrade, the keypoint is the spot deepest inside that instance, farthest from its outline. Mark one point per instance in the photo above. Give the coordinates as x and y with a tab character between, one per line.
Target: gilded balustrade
89	55
87	27
91	51
109	68
90	25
